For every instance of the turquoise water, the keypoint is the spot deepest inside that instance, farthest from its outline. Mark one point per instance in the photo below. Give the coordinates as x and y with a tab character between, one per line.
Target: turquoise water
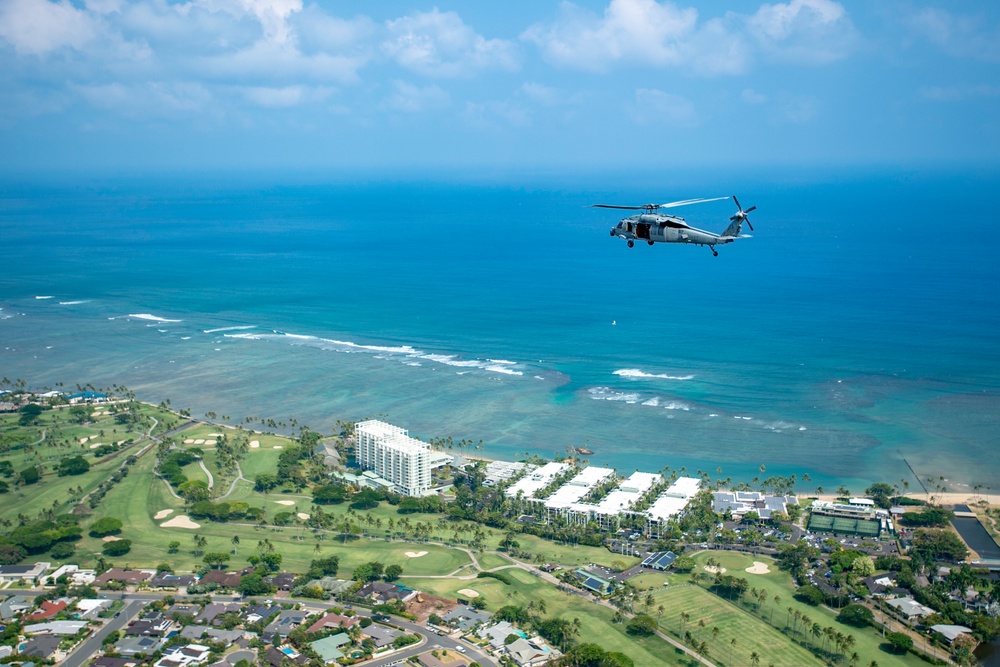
857	327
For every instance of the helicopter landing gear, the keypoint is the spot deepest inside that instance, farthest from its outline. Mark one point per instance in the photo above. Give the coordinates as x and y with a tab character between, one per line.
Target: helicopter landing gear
649	242
715	253
631	243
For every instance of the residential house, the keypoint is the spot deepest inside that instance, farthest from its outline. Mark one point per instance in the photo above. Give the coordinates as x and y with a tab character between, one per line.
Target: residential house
531	652
130	577
42	646
466	618
333	621
383	591
29	573
15	606
180	610
172	581
46	610
278	629
276	657
214	609
909	608
258	612
184	656
74	575
222	578
497	634
62	628
951	632
382	635
105	661
329	648
283	581
137	645
196	632
91	608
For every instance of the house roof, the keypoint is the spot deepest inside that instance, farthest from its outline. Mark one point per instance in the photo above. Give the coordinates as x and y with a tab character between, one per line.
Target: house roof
43	646
333	621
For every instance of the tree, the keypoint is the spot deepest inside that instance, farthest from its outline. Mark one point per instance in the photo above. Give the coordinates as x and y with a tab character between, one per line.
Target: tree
29	414
392	572
11	553
30	475
117	548
106	526
254	584
216	558
857	615
899	641
173	547
641	625
330	494
365	500
863	566
73	465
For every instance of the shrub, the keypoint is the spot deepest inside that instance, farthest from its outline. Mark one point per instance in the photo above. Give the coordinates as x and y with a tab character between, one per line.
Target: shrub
641	625
857	615
899	641
810	595
106	526
499	576
117	548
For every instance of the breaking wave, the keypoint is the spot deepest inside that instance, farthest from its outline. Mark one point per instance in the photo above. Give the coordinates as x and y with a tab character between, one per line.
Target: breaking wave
636	374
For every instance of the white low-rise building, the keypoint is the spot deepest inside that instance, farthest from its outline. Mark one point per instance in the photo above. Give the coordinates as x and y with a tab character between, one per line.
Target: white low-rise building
671	503
573	491
536	480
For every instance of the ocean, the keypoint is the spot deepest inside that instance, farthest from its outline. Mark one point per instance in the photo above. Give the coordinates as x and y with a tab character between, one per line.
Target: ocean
853	338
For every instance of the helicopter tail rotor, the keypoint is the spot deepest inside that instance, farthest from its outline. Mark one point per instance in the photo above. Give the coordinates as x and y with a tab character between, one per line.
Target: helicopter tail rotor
741	215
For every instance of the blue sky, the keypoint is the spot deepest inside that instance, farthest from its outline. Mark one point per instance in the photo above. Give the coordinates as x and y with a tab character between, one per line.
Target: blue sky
524	84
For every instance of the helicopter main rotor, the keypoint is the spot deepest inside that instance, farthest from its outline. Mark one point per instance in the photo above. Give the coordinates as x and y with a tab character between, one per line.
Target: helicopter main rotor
649	208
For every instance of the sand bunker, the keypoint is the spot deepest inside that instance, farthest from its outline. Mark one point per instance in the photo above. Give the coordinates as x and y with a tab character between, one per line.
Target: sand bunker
254	444
715	570
95	445
163	514
469	593
285	502
277	446
110	538
758	568
189	441
84	440
303	516
210	442
415	554
199	441
215	435
182	521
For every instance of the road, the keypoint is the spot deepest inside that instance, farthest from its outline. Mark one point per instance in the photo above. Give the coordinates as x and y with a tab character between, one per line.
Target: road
90	646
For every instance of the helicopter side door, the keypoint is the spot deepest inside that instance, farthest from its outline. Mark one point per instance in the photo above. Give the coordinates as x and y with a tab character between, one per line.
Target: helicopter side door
642	230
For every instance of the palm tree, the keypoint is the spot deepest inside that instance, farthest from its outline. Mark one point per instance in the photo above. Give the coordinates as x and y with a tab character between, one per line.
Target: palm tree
754	659
732	645
777	601
236	543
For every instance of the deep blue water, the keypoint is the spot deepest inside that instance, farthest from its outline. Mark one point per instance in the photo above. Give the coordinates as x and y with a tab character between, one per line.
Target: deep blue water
858	326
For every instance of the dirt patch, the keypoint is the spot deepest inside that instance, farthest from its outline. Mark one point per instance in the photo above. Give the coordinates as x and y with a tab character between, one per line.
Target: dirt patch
758	568
423	605
182	521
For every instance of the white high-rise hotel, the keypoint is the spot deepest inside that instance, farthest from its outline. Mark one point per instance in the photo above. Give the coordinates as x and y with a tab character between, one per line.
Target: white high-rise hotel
393	455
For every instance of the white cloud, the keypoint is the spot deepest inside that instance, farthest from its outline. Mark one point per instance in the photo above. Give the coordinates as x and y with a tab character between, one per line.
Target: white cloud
656	107
38	27
959	92
962	36
280	97
803	31
412	99
440	44
751	96
490	115
665	35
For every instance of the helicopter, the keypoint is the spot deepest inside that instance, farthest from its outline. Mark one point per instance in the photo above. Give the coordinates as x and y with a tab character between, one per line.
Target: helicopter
653	227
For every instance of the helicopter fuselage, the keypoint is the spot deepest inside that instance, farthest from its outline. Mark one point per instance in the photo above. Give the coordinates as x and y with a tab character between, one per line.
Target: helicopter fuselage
654	228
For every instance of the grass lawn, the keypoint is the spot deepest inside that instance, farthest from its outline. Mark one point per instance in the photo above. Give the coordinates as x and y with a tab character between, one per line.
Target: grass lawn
773	617
596	623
